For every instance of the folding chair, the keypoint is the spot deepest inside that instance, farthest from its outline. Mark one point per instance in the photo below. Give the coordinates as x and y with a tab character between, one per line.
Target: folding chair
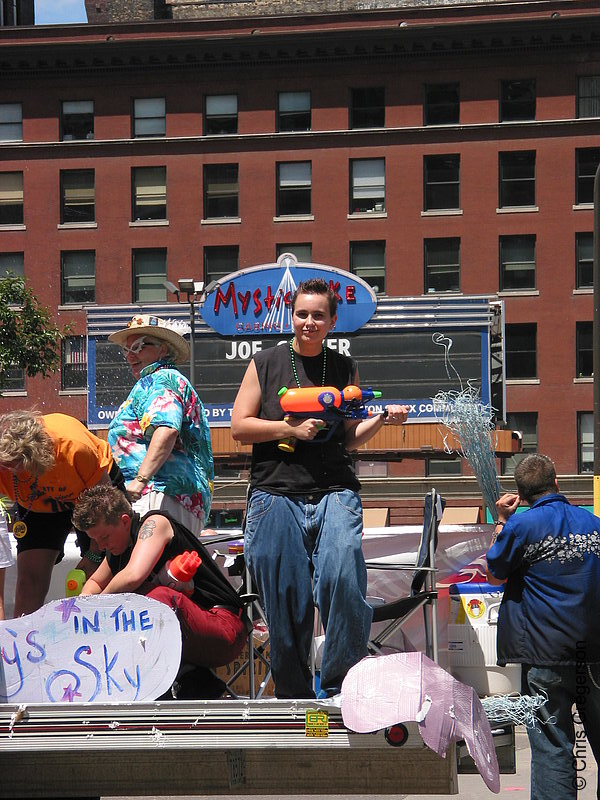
423	593
236	567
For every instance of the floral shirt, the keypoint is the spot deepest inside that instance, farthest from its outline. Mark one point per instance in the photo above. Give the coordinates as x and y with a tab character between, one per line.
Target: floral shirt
164	397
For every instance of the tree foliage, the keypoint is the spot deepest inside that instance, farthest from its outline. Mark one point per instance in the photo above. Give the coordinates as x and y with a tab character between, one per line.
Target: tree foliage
29	337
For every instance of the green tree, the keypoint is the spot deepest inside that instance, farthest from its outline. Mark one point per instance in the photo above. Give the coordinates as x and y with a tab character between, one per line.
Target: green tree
29	337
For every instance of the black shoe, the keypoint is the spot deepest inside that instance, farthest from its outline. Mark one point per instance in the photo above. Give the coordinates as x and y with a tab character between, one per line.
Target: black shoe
200	683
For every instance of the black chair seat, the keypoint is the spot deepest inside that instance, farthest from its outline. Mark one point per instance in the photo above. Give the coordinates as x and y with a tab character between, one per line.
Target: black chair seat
401	607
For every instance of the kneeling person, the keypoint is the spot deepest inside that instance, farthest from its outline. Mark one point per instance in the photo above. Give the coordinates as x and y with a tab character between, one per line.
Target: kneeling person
213	625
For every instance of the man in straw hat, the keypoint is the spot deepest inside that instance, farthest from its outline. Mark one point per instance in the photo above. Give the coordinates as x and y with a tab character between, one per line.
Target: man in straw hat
159	436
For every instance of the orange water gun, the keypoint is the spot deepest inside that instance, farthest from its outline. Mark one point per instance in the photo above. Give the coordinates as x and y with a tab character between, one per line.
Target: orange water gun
327	403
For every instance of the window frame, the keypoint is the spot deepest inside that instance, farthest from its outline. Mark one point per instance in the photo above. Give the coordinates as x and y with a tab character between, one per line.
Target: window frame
506	267
585	445
17	269
220	124
372	273
223	203
366	108
211	274
160	291
441	112
16	192
523	108
435	268
156	120
372	186
592	97
282	248
511	329
584	181
297	194
73	214
451	181
529	443
293	120
76	121
156	202
516	183
584	264
78	277
7	126
80	381
584	349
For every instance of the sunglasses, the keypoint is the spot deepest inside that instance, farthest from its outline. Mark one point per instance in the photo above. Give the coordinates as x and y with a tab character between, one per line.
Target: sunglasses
137	346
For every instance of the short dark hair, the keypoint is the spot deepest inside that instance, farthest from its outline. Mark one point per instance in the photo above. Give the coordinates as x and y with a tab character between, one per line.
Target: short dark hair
101	503
316	286
535	476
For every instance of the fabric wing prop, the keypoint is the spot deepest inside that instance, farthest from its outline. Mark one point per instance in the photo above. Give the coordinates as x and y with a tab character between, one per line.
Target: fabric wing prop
385	690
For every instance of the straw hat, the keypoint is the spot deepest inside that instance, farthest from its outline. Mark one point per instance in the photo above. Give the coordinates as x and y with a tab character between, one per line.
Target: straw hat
168	331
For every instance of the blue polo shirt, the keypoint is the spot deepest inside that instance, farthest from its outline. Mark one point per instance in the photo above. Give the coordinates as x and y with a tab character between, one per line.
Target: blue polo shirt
550	556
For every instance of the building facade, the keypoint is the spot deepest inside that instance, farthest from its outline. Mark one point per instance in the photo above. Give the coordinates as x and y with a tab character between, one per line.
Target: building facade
433	149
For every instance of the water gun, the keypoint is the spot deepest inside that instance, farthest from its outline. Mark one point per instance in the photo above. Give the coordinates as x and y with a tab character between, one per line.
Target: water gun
328	403
178	573
74	582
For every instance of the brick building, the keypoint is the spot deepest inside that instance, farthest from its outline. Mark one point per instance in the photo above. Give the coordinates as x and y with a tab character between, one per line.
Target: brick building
431	148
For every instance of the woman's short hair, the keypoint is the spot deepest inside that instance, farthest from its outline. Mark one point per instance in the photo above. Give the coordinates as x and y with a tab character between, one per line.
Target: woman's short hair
25	444
102	503
316	286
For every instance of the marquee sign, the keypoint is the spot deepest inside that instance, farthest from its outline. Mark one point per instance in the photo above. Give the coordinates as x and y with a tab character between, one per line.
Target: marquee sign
257	301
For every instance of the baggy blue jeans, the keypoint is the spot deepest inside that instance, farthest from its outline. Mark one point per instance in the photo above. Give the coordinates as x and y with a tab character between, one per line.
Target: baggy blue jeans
557	757
300	554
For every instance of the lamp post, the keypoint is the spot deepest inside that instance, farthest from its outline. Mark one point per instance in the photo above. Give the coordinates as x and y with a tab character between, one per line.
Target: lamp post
194	292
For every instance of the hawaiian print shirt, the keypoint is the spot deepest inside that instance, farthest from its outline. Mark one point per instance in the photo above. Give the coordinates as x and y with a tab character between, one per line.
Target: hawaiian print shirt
164	397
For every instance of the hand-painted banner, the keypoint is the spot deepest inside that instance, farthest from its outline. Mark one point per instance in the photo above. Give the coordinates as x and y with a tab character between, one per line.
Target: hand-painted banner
96	649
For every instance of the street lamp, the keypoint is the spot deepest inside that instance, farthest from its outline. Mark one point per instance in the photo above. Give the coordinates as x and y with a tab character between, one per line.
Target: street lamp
194	293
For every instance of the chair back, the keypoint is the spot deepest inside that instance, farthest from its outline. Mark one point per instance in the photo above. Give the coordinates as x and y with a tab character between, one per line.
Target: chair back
434	508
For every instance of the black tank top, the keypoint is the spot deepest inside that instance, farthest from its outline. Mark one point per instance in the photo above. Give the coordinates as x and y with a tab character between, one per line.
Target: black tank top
317	466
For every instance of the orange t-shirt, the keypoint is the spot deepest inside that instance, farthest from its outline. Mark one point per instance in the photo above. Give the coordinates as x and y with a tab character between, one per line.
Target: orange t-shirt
81	459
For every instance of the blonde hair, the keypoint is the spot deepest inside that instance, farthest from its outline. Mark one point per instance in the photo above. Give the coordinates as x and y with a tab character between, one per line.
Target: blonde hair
25	443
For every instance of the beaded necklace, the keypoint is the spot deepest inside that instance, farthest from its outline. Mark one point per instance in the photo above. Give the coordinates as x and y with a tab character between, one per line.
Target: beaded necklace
295	371
20	527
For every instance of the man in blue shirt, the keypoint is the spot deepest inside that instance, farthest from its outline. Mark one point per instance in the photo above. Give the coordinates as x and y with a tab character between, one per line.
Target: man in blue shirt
549	558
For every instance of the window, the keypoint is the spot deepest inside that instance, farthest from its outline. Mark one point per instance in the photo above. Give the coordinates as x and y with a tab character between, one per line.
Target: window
585	441
441	178
521	351
517	100
220	191
12	380
588	96
77	196
74	363
11	122
149	192
149	275
526	422
149	117
443	466
220	261
517	179
367	107
587	160
303	252
77	119
11	198
367	260
584	260
441	105
442	265
293	111
220	114
584	357
13	263
78	269
517	262
294	188
367	185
